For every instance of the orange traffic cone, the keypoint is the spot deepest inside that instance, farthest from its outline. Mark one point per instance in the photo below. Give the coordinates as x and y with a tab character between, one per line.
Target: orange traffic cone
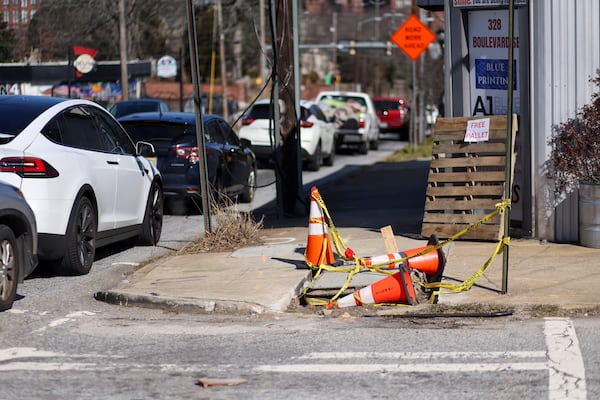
319	250
396	288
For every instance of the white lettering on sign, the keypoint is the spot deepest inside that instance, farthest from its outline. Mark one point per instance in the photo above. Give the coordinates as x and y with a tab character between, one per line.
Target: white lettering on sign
478	130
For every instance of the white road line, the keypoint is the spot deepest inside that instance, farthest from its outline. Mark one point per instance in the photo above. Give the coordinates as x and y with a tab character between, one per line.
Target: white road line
565	363
460	355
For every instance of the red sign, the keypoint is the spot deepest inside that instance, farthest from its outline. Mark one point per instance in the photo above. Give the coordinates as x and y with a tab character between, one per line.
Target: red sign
413	37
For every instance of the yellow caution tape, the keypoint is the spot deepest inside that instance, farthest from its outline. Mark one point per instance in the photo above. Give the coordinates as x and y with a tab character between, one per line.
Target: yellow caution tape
360	264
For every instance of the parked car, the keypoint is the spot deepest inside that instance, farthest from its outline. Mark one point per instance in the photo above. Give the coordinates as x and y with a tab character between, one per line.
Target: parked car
81	174
231	164
317	134
393	115
18	243
126	107
355	119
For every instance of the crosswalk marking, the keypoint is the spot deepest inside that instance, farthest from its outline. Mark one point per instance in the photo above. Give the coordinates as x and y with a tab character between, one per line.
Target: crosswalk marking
567	372
468	355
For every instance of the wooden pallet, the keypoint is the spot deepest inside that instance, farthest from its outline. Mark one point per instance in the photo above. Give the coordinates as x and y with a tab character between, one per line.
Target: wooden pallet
467	180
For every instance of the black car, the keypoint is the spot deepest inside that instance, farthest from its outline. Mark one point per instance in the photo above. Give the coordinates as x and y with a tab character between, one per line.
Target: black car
231	164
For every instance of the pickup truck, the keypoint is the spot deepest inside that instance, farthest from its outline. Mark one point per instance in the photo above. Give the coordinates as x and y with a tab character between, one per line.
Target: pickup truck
354	117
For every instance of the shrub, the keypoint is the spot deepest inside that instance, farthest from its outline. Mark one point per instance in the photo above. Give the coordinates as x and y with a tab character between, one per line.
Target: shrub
575	155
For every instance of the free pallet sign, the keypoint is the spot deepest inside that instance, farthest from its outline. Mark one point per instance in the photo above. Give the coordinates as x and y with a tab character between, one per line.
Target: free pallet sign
478	130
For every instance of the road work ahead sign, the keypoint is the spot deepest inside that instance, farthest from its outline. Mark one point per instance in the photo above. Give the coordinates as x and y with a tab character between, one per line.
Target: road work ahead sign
413	37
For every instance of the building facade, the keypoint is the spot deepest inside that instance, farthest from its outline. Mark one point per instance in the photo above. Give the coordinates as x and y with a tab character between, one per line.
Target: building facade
18	13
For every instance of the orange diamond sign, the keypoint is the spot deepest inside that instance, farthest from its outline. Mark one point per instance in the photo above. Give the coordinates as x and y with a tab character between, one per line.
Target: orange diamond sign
413	37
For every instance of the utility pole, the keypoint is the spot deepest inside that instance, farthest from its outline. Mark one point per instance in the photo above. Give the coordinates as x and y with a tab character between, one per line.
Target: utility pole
286	155
263	63
223	63
123	49
202	166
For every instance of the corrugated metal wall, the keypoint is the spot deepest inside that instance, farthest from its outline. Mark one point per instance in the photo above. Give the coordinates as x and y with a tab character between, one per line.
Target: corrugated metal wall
565	54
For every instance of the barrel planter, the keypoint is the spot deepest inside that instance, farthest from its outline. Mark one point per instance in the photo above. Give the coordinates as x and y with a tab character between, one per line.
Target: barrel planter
589	214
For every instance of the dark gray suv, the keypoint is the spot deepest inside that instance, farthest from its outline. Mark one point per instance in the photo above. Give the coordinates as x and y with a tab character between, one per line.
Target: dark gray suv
18	243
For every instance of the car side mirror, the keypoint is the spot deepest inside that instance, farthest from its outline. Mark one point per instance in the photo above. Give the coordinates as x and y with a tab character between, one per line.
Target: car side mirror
145	149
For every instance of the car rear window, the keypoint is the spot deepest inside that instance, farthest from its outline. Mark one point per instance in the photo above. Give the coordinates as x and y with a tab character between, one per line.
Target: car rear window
121	109
386	105
260	111
159	131
16	116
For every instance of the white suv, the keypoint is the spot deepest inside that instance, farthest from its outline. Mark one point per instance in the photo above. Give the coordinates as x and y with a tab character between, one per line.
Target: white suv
83	177
317	134
354	117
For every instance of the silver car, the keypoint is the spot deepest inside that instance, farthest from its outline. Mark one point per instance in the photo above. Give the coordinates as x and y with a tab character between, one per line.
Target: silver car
18	243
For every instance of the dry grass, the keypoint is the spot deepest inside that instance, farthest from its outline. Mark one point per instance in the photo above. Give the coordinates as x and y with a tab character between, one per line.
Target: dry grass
233	230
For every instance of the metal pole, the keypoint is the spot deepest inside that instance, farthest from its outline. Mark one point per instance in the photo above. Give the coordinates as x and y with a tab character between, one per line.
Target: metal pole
509	150
296	69
193	38
123	48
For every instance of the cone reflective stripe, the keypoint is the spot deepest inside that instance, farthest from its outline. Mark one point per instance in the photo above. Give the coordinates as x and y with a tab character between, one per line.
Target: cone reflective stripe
319	250
381	260
428	263
396	288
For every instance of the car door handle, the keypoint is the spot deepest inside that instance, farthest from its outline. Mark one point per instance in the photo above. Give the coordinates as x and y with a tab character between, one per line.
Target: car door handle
113	162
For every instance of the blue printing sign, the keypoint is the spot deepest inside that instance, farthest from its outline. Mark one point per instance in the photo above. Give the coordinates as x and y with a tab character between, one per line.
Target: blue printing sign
493	74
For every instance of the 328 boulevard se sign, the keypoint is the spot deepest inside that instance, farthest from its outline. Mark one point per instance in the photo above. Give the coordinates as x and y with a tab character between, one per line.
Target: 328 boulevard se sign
413	37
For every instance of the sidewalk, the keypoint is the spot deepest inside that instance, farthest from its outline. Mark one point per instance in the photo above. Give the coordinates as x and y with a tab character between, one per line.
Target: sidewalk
268	278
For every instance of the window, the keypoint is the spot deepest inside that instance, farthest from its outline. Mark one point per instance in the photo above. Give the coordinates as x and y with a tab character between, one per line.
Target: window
113	137
230	136
77	129
213	131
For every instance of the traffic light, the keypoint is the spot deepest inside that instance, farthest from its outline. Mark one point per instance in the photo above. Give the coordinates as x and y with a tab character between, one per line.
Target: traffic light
352	47
388	48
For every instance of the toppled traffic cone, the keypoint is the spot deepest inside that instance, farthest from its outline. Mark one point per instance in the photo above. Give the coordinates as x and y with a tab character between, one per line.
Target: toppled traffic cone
396	288
431	263
319	250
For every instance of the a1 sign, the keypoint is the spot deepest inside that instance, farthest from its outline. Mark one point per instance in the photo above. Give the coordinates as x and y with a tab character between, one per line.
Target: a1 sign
413	37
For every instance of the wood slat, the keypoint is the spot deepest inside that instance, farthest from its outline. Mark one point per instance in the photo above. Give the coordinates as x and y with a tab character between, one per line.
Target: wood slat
473	148
475	204
446	218
456	191
455	162
482	232
462	177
